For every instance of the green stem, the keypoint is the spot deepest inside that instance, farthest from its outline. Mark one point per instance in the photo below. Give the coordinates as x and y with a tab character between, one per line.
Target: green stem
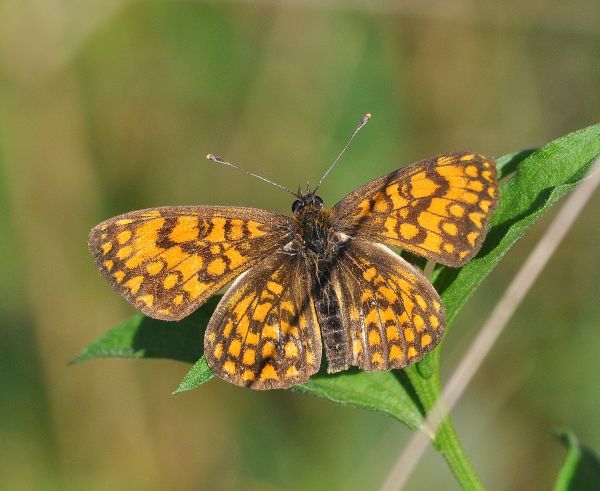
446	440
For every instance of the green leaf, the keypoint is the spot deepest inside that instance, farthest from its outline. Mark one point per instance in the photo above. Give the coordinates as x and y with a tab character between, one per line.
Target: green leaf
143	337
198	375
581	468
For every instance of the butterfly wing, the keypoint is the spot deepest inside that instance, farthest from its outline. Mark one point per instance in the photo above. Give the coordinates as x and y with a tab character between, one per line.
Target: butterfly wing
168	261
390	312
439	208
264	333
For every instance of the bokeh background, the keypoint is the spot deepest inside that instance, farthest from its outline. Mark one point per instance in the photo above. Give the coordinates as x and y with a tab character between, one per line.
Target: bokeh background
110	106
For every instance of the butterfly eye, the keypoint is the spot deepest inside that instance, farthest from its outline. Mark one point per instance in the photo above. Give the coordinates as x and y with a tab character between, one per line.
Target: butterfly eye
297	205
318	201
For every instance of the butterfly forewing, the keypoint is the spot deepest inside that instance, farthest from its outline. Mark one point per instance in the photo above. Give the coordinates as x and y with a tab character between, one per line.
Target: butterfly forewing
438	208
264	333
167	261
391	312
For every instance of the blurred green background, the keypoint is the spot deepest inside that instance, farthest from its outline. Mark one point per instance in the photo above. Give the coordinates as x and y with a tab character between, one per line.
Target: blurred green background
110	106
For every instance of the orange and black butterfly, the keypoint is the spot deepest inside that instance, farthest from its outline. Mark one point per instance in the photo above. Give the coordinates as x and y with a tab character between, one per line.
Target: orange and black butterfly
321	278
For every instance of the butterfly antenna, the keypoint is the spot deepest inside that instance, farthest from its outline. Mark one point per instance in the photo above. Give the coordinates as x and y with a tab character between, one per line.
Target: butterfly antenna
363	121
220	160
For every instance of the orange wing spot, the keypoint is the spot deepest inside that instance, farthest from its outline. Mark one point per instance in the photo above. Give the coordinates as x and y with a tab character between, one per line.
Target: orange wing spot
174	256
408	304
227	329
124	221
487	175
485	205
261	311
450	228
395	353
371	318
195	288
268	372
463	254
470	198
425	340
218	351
475	186
450	171
457	181
472	237
291	350
165	311
211	336
356	347
408	231
185	230
268	350
436	305
377	359
124	236
254	229
155	267
429	221
423	187
491	192
108	264
287	306
148	251
149	230
366	295
374	337
291	372
476	217
236	259
148	299
421	301
178	300
397	200
412	352
457	210
124	252
249	357
242	326
468	157
432	242
235	229
252	338
215	249
242	305
380	204
118	276
217	232
269	331
276	288
369	274
365	209
419	322
229	367
392	333
471	171
248	376
409	334
439	206
434	321
390	228
216	267
170	281
235	348
134	284
388	293
310	358
190	266
387	315
449	247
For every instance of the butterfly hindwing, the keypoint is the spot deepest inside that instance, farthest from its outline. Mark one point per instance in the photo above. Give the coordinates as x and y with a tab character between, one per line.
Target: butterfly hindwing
264	333
439	208
390	314
167	261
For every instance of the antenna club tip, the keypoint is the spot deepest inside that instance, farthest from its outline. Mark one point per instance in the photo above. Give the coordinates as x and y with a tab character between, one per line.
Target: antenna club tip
368	116
209	156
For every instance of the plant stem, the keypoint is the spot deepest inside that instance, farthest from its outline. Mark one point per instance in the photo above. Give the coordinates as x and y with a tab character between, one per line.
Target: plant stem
446	440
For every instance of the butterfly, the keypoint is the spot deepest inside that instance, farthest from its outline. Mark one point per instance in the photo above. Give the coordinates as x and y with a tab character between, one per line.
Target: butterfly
321	280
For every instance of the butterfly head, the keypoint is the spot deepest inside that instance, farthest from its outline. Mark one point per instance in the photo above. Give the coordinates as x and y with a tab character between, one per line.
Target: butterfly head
305	201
